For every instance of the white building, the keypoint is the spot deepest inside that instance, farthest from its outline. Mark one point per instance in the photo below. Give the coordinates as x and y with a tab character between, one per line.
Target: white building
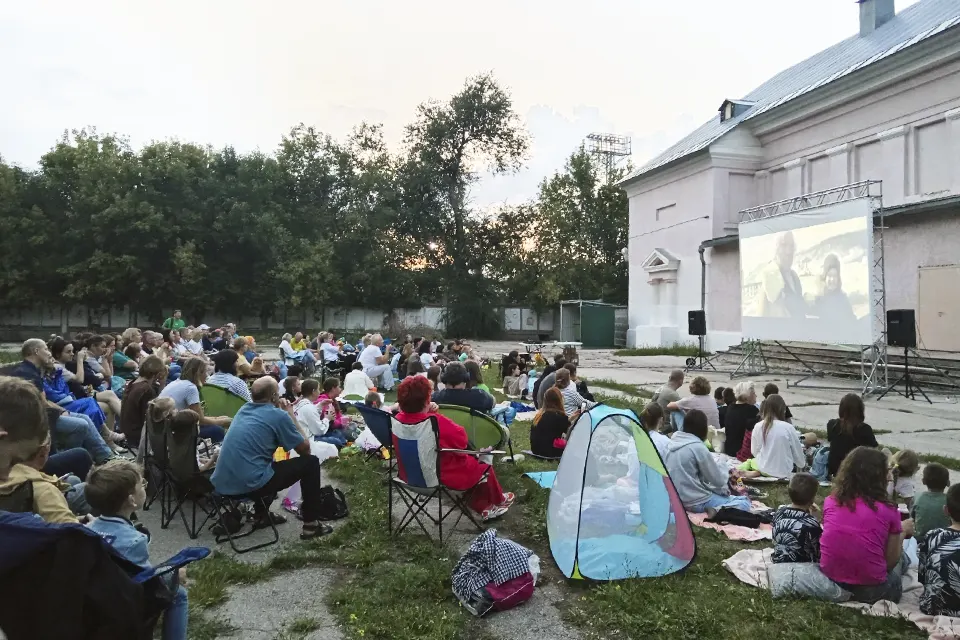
882	105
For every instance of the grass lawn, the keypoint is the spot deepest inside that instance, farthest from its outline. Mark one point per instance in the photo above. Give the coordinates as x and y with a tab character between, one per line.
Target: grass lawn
632	389
399	589
683	349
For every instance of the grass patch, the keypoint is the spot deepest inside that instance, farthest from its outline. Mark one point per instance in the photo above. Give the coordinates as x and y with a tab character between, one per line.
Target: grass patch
682	349
374	598
9	357
624	387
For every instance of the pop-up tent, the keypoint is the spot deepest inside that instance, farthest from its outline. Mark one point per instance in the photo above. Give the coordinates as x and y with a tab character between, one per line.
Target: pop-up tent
614	512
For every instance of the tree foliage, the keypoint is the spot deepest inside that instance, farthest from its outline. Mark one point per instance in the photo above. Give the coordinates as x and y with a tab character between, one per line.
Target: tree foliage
321	222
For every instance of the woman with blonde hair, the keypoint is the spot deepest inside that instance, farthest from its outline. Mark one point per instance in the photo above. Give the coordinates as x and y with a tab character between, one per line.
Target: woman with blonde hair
185	393
775	444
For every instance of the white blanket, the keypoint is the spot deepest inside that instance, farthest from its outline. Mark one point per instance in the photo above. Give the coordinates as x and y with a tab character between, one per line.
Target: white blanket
750	567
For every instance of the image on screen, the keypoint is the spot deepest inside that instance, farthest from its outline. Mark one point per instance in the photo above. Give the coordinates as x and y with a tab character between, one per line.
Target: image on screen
806	276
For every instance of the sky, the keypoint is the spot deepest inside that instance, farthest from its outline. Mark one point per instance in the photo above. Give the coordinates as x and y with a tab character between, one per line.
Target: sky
244	72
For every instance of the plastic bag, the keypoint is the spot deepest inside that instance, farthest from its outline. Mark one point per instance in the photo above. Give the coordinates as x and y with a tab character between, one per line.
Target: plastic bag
534	563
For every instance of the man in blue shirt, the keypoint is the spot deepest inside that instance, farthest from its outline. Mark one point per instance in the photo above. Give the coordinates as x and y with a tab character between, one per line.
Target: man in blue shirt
246	467
71	429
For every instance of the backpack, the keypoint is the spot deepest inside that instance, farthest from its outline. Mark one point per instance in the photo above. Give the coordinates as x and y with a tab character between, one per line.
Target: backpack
333	504
818	466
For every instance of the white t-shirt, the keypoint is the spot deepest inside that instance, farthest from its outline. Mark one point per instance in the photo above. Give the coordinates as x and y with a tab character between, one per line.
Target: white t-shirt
661	442
331	352
183	393
308	417
426	360
368	357
905	487
778	452
357	383
194	347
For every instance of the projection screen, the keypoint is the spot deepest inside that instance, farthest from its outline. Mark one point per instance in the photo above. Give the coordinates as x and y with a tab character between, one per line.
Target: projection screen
805	276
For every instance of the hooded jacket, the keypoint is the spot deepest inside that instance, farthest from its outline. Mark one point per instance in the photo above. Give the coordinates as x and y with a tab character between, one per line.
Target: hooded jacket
693	470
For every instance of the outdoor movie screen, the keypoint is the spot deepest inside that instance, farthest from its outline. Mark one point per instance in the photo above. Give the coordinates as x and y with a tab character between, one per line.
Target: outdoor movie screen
805	276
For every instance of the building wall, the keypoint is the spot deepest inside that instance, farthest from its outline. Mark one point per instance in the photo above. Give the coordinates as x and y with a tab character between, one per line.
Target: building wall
906	134
914	241
672	213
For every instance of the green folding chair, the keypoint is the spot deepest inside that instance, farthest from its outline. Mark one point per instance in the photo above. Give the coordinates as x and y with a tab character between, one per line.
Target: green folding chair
217	401
482	430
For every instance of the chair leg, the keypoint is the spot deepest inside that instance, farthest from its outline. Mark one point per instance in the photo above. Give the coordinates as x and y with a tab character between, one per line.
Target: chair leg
220	503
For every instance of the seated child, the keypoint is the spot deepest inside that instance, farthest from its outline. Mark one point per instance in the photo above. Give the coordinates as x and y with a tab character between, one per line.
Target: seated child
56	500
796	530
511	380
939	555
357	383
373	400
309	418
115	490
903	466
929	510
700	483
330	409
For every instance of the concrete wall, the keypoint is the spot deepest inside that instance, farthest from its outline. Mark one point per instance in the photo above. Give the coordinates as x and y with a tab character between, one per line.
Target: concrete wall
22	324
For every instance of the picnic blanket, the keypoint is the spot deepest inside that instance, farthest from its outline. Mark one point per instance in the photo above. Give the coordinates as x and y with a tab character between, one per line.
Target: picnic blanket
750	567
735	532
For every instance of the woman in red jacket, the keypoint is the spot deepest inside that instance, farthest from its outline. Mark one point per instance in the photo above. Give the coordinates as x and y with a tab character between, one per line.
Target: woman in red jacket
458	471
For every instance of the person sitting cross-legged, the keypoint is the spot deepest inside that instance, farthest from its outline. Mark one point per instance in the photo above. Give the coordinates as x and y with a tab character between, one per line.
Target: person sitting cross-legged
246	466
700	483
376	364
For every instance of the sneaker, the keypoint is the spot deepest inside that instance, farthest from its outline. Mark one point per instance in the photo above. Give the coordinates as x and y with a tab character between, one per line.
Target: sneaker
493	513
508	499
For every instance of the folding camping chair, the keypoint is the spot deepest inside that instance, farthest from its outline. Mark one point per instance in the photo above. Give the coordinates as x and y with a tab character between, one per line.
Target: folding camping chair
417	449
230	519
185	481
217	401
378	421
482	430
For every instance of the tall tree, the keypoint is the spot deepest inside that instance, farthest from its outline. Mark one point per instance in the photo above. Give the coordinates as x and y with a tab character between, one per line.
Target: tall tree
448	144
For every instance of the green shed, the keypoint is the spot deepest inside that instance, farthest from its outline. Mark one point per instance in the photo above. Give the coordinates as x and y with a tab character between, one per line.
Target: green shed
590	322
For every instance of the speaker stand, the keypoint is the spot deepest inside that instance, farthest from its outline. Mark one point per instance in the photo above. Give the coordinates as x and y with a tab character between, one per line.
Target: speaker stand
702	360
910	388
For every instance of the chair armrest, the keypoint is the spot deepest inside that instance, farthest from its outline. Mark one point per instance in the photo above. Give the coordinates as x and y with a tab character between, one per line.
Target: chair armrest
472	453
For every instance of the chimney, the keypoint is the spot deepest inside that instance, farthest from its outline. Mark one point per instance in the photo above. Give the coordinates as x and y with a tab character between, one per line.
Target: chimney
874	14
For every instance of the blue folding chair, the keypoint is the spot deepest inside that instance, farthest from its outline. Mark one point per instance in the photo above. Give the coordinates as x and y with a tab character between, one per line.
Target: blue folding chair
419	482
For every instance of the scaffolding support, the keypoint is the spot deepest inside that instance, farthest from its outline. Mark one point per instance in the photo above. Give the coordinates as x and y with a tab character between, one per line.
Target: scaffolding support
873	357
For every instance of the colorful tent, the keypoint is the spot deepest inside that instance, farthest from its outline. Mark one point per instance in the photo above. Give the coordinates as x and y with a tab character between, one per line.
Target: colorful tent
614	512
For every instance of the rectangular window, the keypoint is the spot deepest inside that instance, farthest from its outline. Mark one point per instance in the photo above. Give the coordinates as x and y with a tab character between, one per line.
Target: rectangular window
663	211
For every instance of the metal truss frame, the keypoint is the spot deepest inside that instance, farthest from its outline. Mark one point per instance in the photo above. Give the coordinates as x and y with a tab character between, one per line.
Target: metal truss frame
873	357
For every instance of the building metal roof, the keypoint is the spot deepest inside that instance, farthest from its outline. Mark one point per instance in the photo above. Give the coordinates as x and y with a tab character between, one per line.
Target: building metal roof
911	26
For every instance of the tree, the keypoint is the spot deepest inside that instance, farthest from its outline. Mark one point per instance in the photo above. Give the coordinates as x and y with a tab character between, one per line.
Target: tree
587	219
448	144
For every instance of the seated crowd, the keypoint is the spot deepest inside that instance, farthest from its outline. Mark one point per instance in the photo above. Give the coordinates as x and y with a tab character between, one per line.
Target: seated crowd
857	539
69	407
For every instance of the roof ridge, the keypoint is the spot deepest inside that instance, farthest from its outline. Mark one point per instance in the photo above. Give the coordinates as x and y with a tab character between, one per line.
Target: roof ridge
909	27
